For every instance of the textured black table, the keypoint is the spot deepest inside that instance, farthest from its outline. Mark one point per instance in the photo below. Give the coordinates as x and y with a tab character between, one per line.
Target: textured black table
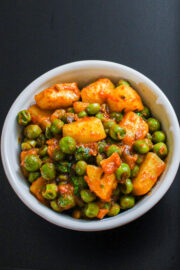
37	35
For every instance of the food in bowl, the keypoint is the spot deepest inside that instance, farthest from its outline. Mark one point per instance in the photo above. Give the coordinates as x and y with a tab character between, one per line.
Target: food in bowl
91	153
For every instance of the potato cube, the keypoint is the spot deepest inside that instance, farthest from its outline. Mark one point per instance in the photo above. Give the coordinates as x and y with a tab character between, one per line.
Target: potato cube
86	130
124	98
150	170
136	128
58	96
97	92
101	185
39	116
36	189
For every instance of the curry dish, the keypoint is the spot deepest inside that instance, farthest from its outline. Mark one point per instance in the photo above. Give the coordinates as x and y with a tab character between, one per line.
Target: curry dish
92	152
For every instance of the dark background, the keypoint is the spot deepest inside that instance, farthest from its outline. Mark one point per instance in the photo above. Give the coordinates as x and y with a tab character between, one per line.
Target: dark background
38	35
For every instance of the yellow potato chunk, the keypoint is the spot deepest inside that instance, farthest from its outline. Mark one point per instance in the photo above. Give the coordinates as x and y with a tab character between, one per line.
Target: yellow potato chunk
86	130
36	189
150	170
101	185
124	98
97	92
136	128
58	96
80	106
39	116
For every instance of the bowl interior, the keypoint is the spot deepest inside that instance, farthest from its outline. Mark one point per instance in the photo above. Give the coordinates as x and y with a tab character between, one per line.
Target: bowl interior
83	74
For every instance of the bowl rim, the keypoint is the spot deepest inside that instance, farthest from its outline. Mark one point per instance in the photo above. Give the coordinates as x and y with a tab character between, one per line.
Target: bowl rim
109	223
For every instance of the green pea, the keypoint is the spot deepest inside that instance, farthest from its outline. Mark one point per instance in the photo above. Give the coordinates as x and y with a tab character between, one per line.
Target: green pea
149	143
82	153
64	167
50	191
31	142
149	136
79	156
139	159
135	171
25	146
127	186
160	149
70	110
123	171
43	151
93	108
66	201
99	158
33	176
122	82
114	210
48	171
100	116
154	124
91	210
139	114
127	201
41	140
23	118
141	147
108	124
67	145
82	114
101	147
158	136
107	206
48	133
58	155
79	183
54	206
63	177
56	127
32	131
112	149
146	112
87	195
116	116
117	133
32	163
81	167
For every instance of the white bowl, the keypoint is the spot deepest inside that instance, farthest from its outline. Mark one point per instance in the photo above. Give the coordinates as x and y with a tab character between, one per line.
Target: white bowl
84	72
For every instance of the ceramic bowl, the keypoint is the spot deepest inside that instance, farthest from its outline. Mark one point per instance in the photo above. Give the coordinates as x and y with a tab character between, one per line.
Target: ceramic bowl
84	72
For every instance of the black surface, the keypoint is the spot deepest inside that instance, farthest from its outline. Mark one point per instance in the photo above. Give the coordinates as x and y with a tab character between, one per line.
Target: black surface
38	35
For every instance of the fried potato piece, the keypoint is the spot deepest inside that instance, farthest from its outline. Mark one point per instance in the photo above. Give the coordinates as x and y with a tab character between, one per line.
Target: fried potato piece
86	130
111	164
124	98
58	96
102	213
80	106
39	116
36	189
150	170
97	92
101	185
136	128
